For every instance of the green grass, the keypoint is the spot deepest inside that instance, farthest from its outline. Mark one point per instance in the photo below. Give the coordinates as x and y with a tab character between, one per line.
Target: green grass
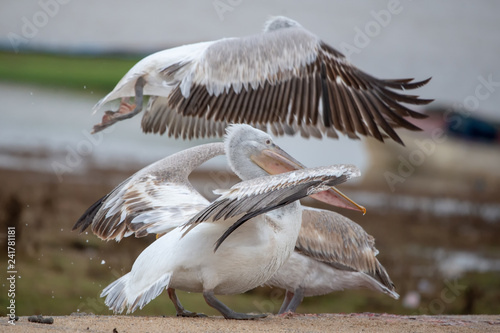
75	72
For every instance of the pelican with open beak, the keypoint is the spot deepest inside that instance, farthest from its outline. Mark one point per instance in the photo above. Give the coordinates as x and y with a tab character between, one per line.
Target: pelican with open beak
275	160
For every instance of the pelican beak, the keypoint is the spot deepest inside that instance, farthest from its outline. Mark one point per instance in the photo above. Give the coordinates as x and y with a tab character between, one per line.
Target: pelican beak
334	197
275	161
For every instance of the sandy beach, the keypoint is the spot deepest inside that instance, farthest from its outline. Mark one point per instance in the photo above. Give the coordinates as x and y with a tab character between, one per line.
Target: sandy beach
366	322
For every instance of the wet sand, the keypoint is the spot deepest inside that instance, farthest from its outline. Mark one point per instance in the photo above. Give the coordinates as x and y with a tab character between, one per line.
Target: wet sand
368	322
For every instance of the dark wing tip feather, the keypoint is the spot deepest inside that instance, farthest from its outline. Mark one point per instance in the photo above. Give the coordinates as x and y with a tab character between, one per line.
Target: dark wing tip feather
418	115
417	84
382	275
405	84
88	216
355	112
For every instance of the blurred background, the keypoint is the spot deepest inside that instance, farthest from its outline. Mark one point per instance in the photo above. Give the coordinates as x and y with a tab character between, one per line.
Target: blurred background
433	205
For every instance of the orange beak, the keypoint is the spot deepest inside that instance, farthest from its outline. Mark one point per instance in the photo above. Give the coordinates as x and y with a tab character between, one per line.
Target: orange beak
275	161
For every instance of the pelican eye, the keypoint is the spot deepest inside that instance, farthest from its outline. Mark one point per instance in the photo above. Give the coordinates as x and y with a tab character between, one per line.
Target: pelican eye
268	142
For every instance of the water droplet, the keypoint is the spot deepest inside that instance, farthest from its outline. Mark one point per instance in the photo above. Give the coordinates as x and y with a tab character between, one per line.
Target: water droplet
86	232
87	241
27	206
19	276
90	258
52	296
84	87
103	262
78	310
62	229
26	224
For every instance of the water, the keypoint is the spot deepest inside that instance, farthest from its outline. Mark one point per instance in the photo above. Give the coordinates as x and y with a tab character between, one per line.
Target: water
453	264
437	207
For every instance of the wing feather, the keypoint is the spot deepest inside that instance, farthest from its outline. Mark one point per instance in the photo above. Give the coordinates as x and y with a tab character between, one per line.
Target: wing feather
251	198
156	199
339	242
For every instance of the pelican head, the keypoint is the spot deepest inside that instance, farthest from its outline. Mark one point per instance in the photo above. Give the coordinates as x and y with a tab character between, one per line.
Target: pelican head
252	153
280	22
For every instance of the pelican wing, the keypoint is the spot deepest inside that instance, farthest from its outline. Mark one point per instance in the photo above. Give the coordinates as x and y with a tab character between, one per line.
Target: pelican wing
251	198
163	120
156	199
339	242
286	77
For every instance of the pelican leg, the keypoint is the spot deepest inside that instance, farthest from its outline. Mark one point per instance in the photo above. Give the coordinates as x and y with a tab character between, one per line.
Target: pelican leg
296	300
286	301
225	311
181	312
111	117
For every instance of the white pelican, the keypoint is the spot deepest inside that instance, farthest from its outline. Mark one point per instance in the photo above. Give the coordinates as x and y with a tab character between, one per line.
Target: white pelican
332	253
284	79
215	252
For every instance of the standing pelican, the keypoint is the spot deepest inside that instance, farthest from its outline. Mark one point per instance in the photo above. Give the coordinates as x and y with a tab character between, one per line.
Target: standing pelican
332	253
284	79
232	245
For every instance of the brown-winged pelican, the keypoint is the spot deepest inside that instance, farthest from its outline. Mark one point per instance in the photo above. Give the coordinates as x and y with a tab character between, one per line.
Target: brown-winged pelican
332	253
284	79
232	245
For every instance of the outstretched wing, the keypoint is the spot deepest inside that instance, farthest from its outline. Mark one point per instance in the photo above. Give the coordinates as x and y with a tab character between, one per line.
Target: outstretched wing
289	77
141	207
156	199
251	198
286	80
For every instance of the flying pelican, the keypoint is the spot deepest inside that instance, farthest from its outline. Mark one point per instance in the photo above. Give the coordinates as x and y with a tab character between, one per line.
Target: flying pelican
332	253
284	79
230	246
